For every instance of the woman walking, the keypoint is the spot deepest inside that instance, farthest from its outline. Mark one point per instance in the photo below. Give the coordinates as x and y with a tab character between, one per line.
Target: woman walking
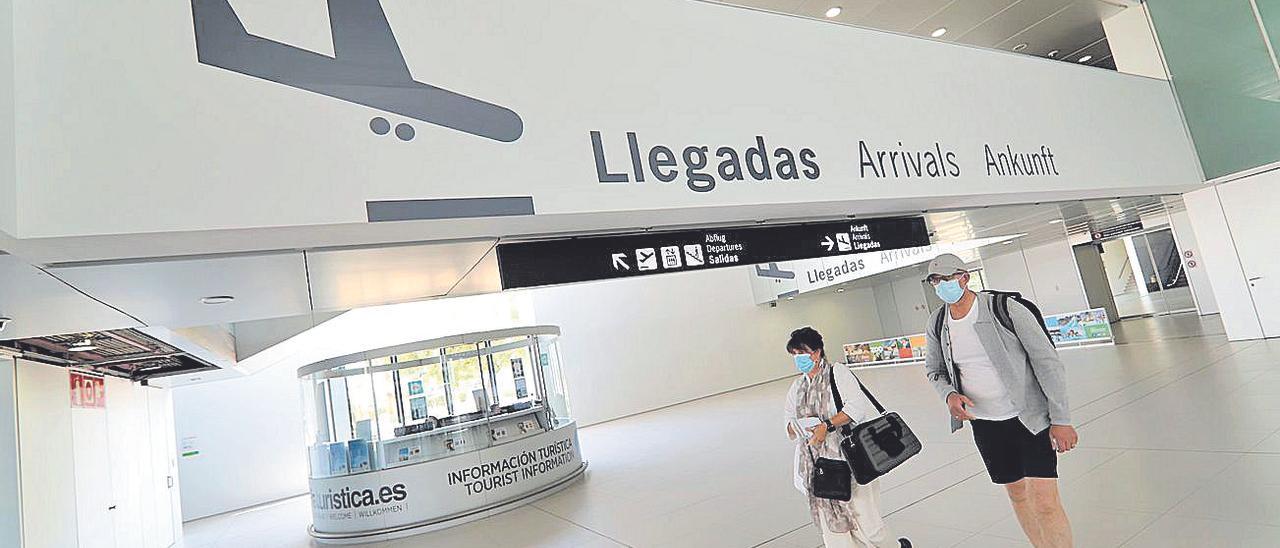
813	423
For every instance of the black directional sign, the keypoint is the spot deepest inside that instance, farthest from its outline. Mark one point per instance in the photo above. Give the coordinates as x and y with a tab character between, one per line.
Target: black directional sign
1117	231
548	262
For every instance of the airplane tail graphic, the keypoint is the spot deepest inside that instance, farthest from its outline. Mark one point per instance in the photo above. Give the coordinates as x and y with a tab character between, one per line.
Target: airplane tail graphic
367	68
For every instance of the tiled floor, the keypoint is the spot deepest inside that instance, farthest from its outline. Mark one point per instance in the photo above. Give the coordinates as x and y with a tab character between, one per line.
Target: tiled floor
1133	303
1180	447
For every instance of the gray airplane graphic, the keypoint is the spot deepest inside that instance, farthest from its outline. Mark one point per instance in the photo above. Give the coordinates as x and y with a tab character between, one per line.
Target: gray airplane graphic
367	68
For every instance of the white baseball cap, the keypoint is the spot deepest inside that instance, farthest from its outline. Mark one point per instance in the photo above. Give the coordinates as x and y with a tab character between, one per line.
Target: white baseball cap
945	265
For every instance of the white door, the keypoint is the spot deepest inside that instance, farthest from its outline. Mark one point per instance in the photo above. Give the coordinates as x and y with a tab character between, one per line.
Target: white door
127	432
164	473
94	498
1250	207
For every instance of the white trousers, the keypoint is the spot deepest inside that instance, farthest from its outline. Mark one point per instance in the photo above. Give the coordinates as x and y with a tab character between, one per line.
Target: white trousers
871	532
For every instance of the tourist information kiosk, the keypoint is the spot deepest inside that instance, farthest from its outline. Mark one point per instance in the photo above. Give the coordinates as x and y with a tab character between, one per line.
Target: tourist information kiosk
427	435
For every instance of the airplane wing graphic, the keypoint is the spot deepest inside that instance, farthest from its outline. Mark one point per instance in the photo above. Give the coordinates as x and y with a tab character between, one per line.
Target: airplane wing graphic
367	68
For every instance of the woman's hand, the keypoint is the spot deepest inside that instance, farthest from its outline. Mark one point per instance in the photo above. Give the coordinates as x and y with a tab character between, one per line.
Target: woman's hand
819	435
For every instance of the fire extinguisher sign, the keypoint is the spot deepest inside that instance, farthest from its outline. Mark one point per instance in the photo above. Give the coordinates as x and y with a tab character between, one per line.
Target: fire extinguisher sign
88	391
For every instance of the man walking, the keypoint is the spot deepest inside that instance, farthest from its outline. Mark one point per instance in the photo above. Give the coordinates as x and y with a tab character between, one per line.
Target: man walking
991	360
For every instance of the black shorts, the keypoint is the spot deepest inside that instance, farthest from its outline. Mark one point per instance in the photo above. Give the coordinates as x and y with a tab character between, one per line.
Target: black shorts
1012	453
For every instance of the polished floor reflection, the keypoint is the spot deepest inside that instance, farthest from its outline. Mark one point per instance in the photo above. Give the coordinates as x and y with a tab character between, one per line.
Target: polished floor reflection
1180	447
1132	303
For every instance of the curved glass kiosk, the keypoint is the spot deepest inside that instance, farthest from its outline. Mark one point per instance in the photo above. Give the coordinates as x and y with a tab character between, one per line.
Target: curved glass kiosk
427	435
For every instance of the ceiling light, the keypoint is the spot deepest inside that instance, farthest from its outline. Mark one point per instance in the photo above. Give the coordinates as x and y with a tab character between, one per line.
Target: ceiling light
791	298
217	299
834	11
1020	47
938	33
1053	53
1055	221
1086	58
841	290
85	345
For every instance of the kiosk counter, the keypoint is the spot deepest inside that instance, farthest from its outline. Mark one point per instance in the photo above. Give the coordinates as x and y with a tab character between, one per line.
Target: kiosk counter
427	435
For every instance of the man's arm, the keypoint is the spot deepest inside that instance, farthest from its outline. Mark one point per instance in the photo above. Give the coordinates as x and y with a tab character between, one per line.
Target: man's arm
1046	365
935	367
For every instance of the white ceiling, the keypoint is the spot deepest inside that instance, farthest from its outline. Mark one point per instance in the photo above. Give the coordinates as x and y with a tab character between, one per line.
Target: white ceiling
40	304
168	292
1072	27
351	278
282	294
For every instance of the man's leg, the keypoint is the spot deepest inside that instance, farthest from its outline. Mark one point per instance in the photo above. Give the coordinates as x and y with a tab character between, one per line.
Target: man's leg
1055	530
1020	496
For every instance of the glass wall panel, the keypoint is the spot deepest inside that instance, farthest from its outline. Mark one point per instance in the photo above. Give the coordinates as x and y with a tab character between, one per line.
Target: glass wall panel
466	386
1226	79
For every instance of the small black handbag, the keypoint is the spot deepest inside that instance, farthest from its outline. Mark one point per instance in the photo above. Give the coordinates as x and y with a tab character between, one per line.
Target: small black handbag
879	445
831	479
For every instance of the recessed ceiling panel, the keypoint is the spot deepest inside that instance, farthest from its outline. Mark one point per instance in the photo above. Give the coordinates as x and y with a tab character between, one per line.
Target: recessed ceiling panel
1067	31
961	17
169	293
353	278
903	15
1012	21
41	305
484	278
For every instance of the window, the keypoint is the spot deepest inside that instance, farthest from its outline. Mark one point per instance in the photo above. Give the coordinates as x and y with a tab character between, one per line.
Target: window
422	388
464	378
512	372
362	410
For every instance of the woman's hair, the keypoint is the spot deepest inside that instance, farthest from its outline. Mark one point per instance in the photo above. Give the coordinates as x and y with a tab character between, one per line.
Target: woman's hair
805	339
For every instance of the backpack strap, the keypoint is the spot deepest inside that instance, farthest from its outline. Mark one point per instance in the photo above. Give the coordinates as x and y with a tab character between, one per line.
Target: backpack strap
1000	307
937	322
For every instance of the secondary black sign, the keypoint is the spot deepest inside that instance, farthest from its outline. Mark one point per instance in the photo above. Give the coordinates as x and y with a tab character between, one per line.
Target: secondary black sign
531	264
1118	230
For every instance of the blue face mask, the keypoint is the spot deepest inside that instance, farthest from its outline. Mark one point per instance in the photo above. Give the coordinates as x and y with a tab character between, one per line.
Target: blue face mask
804	362
949	291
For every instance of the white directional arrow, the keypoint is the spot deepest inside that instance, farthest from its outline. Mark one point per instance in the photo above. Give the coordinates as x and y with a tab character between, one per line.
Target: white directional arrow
619	262
828	243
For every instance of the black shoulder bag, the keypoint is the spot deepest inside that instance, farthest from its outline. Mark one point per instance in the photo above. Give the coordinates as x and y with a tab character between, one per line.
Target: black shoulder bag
831	478
879	445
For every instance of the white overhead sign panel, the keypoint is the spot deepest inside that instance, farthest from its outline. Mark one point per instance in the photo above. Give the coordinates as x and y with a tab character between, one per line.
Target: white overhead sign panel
772	281
205	114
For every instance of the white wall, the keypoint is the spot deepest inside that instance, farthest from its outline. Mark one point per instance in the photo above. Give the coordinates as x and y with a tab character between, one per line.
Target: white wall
249	431
1250	207
913	310
47	456
1046	274
1133	44
150	93
10	504
635	345
1197	276
76	463
8	174
887	310
1222	264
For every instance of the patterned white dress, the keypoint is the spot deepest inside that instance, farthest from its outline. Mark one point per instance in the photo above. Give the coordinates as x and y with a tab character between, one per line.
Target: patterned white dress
860	519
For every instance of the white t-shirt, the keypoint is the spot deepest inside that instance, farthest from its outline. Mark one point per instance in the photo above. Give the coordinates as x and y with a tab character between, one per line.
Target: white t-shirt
979	380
